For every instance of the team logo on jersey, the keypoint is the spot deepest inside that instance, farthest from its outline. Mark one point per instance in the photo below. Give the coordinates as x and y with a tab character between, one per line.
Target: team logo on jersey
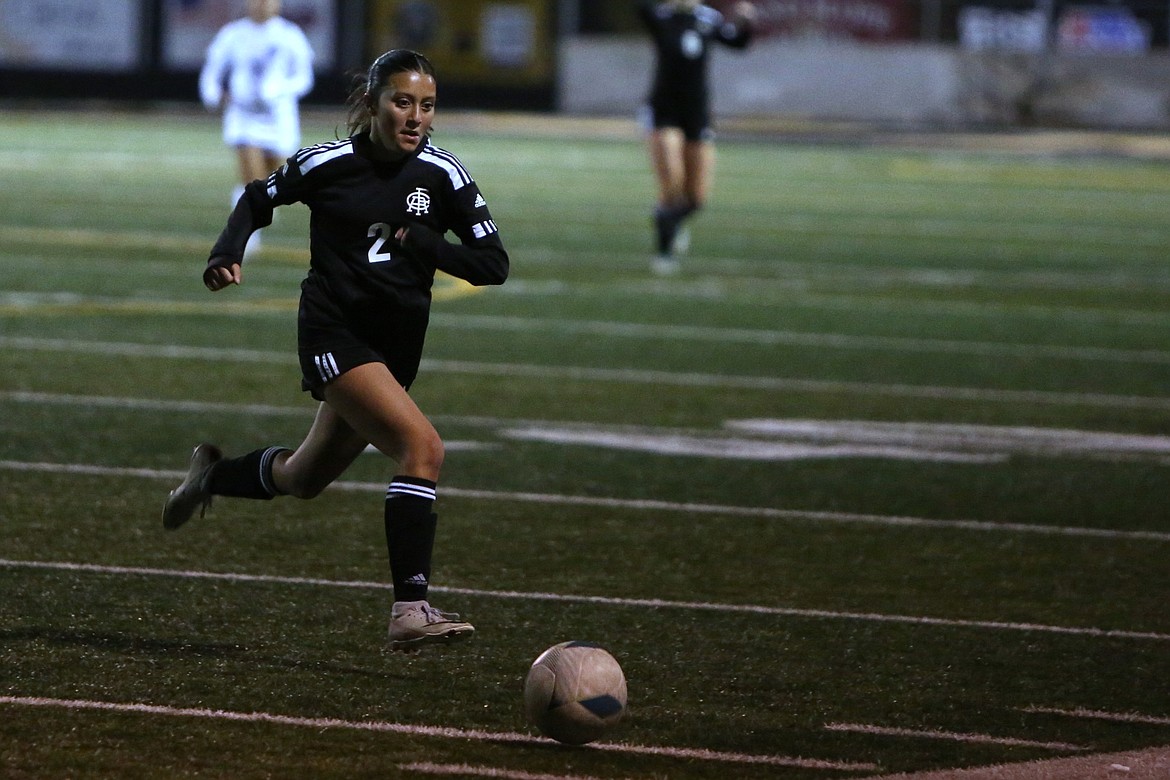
418	202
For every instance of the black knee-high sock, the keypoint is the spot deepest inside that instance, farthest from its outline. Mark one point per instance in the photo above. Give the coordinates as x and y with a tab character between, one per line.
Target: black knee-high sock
667	221
410	535
664	229
248	476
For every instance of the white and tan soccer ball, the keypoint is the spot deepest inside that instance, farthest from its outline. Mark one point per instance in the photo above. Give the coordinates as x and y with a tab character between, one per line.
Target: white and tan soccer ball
575	692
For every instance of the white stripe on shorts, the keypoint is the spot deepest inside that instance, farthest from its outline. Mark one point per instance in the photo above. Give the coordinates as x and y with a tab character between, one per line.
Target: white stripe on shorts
326	366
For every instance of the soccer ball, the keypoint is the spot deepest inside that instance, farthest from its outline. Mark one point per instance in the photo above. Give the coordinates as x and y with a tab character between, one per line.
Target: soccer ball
574	692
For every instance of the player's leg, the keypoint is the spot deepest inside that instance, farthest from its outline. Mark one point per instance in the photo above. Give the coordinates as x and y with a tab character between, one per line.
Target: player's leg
272	161
698	172
667	146
372	401
252	162
375	405
698	157
326	452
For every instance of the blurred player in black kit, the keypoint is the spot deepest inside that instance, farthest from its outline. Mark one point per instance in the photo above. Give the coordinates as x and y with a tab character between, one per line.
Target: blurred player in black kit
680	140
381	201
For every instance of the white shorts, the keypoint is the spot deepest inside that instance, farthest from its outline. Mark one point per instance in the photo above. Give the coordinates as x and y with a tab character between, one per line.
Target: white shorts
274	128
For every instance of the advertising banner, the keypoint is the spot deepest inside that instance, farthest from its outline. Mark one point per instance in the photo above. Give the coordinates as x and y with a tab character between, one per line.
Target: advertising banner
499	42
993	29
857	20
101	35
1102	30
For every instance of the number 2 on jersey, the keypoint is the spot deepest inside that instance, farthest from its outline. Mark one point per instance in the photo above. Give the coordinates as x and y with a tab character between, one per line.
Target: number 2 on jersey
382	232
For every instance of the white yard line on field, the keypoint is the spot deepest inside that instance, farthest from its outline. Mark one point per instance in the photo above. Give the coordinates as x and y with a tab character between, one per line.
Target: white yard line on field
984	739
442	732
748	439
150	404
689	509
788	291
772	338
814	614
618	375
467	770
793	385
42	303
1116	717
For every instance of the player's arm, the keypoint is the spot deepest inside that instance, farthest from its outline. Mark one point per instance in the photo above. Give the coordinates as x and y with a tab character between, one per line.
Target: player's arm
482	261
737	31
301	77
478	258
253	211
213	72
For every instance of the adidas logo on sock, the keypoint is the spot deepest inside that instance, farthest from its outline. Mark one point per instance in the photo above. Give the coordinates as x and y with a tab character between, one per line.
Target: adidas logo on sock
418	579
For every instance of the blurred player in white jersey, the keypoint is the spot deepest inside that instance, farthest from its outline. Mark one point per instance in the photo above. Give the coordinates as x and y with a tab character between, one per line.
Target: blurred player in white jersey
256	70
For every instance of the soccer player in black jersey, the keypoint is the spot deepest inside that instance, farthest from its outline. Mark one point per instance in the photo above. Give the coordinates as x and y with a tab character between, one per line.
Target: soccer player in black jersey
381	201
680	140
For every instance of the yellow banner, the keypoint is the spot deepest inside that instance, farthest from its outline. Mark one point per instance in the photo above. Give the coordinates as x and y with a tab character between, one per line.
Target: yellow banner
490	42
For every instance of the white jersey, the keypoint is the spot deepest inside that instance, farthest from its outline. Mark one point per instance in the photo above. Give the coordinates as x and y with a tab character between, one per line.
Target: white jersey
257	73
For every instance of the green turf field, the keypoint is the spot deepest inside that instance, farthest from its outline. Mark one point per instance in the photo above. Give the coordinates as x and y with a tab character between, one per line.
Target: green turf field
877	483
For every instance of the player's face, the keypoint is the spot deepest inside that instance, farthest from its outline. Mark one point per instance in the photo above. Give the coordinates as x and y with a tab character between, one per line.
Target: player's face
262	10
402	113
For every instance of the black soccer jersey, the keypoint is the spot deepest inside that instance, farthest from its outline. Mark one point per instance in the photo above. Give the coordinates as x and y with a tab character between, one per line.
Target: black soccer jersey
357	204
682	39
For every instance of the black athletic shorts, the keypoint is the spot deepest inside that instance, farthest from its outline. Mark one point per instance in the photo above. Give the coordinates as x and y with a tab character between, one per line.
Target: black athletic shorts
690	116
331	342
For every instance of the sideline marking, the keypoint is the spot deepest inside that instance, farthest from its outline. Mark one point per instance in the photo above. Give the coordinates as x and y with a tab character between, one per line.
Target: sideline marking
765	438
771	338
619	375
715	445
445	288
467	770
1119	717
449	287
985	739
871	617
447	732
646	504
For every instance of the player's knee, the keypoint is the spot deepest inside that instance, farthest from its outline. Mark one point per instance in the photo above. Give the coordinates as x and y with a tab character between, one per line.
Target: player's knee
424	455
430	452
305	486
300	482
